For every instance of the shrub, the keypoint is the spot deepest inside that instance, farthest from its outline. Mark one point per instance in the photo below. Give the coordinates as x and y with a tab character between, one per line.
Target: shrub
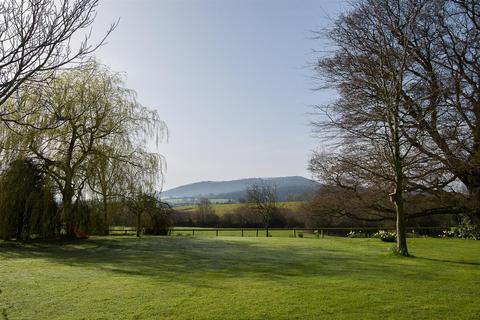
81	234
449	233
386	236
355	234
465	230
87	218
27	205
158	220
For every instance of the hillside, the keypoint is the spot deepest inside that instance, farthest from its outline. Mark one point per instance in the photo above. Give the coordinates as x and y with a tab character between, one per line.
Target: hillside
288	188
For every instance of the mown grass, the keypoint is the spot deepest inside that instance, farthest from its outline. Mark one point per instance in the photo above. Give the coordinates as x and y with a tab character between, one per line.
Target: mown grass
222	208
239	278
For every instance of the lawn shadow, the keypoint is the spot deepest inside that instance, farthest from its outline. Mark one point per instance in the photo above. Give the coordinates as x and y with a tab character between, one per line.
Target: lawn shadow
448	261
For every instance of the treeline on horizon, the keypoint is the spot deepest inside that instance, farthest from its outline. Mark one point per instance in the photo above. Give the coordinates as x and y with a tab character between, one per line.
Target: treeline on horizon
305	215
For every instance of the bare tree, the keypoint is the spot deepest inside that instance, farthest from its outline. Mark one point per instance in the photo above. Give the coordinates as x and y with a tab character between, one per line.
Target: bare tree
35	40
370	69
440	94
442	98
344	204
262	199
205	213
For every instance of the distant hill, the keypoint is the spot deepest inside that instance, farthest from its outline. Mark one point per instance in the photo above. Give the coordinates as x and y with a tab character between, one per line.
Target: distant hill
288	188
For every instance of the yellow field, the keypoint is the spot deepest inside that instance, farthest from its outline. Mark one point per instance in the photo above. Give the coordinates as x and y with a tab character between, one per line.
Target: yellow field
222	208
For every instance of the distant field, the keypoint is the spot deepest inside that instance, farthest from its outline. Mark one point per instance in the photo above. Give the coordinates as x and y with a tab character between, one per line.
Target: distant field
239	278
222	208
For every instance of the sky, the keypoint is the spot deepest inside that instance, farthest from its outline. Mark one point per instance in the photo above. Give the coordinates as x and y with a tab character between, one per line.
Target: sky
230	78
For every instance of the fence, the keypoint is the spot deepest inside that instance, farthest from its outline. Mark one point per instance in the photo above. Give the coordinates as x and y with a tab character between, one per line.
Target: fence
285	232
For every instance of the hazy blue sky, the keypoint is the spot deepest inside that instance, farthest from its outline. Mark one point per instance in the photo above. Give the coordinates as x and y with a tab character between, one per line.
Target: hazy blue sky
228	77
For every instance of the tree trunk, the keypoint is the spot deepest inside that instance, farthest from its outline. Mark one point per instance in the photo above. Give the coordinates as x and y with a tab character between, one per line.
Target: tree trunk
401	234
105	216
68	212
471	179
20	223
67	199
399	185
139	223
474	193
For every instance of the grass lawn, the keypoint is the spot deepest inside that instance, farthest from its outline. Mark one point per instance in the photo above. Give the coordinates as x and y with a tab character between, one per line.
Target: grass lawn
239	278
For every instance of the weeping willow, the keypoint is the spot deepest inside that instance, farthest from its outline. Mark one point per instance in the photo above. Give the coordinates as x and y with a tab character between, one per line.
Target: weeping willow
27	206
90	136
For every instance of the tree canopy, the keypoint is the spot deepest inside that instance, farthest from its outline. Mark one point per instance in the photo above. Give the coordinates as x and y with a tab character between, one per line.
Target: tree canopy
89	134
407	115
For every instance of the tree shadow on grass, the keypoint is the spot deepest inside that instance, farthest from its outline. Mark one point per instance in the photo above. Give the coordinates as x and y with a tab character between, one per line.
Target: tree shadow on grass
194	260
448	261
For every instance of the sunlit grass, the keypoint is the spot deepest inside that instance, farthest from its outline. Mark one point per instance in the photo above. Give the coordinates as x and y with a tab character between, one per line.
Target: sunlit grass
239	278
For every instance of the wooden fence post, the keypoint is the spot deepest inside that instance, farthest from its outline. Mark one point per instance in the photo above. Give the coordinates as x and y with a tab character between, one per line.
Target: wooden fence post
242	232
322	234
294	233
257	232
193	232
216	232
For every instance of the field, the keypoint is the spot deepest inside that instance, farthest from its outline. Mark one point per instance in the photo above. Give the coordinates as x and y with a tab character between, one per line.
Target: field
239	278
222	208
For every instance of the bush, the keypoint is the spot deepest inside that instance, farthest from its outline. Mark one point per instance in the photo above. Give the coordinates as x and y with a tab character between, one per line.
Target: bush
27	205
386	236
87	219
355	234
158	219
465	230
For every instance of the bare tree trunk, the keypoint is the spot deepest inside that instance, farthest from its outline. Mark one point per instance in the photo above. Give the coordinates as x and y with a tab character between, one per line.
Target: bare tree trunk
401	234
399	186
